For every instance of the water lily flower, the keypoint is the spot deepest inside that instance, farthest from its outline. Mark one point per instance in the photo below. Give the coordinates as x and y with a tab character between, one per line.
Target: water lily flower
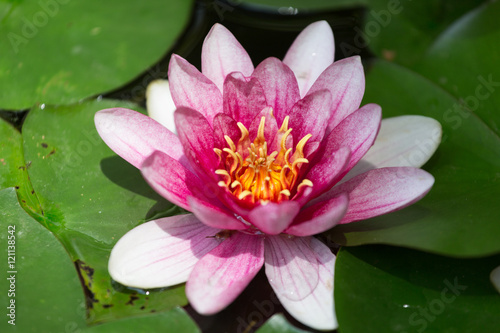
264	158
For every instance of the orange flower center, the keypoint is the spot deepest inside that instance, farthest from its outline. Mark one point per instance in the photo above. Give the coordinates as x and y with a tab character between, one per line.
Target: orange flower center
252	174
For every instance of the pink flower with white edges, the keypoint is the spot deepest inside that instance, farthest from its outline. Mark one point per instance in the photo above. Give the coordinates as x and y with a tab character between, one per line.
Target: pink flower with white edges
264	158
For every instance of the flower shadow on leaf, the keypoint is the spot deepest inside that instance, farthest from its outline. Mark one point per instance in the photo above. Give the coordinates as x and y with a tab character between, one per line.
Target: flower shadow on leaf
128	177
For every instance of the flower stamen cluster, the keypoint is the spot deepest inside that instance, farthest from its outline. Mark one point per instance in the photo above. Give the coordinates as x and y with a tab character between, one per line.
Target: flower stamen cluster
252	174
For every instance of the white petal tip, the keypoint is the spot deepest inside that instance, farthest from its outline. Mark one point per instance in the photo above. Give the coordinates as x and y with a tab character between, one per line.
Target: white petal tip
405	141
160	104
495	278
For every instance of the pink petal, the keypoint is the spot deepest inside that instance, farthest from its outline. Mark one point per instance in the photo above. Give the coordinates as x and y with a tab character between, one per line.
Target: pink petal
161	253
214	216
310	54
222	274
317	309
310	115
174	182
280	86
225	125
320	216
327	167
243	100
192	89
270	128
222	54
358	132
272	218
291	266
382	191
160	104
346	81
196	136
135	136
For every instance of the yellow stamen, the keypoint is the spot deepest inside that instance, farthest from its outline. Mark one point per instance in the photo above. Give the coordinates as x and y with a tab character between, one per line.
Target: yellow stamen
254	174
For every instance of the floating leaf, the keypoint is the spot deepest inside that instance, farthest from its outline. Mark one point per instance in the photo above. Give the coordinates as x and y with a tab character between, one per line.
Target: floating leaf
46	294
385	289
90	198
459	216
61	51
278	323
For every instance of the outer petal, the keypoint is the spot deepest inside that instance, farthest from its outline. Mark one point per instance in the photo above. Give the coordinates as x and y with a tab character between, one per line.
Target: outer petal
310	54
317	309
272	218
358	132
291	266
495	278
222	54
319	217
382	191
327	167
221	275
160	104
402	141
174	182
214	216
346	81
135	136
161	253
280	86
196	136
192	89
243	100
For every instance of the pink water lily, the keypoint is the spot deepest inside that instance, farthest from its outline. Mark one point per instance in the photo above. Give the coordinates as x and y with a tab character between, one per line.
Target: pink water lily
264	158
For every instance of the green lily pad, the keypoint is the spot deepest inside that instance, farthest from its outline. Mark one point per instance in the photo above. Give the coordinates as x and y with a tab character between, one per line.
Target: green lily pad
60	51
278	323
402	31
11	157
90	198
464	62
13	168
385	289
459	216
455	83
175	320
46	295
